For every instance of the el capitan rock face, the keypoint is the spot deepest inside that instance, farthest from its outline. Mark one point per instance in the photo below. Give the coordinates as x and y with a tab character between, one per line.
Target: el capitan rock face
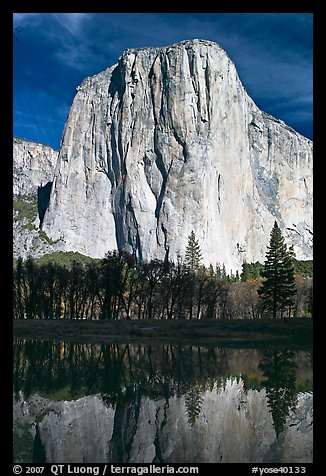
167	141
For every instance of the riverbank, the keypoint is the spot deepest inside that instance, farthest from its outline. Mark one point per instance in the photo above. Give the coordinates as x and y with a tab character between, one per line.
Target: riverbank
245	333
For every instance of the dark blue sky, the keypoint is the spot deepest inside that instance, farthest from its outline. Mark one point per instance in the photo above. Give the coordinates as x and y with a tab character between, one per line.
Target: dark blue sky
54	52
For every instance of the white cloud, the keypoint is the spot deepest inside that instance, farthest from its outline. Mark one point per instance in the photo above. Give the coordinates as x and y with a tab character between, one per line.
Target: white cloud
65	32
73	23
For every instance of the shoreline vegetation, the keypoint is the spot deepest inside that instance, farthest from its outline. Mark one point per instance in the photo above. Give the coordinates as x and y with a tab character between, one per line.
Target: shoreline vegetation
120	299
289	332
70	286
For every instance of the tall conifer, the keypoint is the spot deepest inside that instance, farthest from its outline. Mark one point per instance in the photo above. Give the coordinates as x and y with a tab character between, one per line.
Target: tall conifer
278	289
193	256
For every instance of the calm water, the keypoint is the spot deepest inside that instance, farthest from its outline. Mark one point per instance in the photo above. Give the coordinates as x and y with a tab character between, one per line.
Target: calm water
76	403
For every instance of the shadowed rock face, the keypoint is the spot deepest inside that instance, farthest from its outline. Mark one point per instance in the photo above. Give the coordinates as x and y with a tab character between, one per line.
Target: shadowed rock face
231	426
167	141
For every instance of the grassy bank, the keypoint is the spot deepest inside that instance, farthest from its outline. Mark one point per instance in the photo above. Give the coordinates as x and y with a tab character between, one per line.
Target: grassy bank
245	333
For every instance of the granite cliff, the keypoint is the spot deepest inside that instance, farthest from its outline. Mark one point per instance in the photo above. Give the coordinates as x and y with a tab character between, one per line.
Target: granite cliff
167	141
33	166
33	170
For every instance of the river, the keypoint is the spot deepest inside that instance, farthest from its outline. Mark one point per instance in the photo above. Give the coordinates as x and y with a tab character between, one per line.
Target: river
90	403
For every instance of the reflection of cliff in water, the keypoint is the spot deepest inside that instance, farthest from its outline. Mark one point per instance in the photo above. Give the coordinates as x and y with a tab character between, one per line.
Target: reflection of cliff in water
126	403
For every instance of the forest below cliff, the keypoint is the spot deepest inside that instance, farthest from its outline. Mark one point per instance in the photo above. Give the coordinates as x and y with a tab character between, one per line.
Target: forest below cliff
72	286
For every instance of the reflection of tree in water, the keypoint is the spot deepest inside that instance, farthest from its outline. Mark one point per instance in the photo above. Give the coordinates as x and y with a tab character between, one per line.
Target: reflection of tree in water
279	369
194	402
121	373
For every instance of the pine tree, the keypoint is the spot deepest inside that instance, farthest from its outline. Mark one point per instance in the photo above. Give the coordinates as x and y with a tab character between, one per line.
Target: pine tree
193	256
245	275
278	289
193	401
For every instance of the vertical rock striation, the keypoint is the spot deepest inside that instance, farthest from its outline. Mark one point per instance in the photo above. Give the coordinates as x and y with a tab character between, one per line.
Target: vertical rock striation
167	141
33	171
33	166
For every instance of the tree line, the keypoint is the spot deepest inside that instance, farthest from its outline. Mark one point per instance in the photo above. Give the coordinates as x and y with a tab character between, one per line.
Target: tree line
121	287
